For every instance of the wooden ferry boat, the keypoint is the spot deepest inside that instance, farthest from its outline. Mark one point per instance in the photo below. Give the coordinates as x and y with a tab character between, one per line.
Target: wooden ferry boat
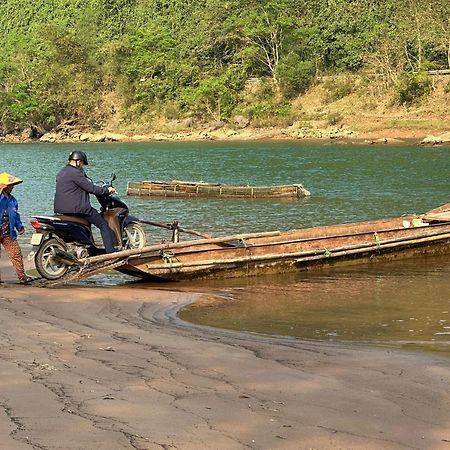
177	188
245	255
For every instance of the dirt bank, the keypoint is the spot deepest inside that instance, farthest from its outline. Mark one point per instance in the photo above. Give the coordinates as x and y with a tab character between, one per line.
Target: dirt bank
428	136
86	367
294	132
356	108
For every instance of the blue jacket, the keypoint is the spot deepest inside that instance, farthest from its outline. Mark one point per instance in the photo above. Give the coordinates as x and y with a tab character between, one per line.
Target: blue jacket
72	191
13	212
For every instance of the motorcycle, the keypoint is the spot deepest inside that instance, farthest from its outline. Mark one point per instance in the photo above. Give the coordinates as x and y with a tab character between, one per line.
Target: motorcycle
59	241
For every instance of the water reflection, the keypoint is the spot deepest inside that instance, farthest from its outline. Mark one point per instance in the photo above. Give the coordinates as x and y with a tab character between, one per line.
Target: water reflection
403	302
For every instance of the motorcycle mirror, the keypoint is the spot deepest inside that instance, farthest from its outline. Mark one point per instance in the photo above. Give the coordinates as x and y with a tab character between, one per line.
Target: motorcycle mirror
113	177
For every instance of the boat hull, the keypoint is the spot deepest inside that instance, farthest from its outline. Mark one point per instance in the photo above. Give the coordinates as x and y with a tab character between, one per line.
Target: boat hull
296	250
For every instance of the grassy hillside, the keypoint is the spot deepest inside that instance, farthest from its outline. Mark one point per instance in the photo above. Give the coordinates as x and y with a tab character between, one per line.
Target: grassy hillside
365	105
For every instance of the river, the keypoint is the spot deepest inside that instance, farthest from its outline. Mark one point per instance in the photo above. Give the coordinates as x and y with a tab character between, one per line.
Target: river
406	302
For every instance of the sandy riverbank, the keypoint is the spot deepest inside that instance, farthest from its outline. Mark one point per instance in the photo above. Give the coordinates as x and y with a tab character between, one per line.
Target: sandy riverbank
86	367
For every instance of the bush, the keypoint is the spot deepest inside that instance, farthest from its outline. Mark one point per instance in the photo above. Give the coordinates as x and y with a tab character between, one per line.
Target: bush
447	88
294	75
334	118
413	87
268	112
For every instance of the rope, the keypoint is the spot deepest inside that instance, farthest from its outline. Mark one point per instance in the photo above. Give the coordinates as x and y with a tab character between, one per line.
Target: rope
377	240
166	256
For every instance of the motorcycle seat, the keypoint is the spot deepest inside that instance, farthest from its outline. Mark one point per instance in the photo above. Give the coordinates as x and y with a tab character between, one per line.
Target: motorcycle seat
70	218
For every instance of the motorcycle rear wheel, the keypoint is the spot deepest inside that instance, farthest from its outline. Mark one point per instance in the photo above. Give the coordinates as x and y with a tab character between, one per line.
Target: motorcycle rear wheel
46	263
133	236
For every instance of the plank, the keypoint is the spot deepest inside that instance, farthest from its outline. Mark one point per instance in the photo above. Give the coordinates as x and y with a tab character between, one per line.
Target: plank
168	246
439	216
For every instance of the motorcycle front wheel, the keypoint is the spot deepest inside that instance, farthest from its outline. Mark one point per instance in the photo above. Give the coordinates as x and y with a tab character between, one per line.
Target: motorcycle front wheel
133	236
46	264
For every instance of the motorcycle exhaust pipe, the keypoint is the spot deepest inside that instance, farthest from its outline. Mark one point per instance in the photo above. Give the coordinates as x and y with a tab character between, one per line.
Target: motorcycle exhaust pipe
65	258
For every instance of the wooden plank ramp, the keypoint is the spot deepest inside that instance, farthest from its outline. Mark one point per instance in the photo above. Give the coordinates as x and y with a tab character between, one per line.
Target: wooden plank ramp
94	265
82	272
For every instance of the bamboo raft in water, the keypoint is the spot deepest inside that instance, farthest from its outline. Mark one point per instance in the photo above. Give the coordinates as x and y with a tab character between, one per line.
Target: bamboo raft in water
177	188
251	254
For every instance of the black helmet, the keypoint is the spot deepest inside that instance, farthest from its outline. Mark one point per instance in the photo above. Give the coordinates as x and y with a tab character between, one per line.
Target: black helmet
77	155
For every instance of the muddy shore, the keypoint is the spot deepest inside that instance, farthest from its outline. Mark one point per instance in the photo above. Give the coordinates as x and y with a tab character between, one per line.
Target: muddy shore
88	367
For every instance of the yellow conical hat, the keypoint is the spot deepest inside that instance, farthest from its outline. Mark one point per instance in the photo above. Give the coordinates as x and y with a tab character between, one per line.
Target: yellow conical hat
7	180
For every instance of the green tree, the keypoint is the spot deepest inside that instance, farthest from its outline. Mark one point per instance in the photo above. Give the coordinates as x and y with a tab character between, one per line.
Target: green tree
63	60
213	97
263	30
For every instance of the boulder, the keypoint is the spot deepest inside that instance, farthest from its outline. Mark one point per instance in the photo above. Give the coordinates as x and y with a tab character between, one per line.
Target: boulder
205	135
241	121
217	125
85	137
431	140
12	138
27	133
443	138
98	138
33	132
49	137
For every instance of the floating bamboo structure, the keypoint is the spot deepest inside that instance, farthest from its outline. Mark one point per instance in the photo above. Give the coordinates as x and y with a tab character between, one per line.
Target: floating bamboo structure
177	188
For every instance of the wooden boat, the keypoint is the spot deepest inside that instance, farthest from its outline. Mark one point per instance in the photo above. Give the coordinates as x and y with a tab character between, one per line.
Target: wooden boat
245	255
177	188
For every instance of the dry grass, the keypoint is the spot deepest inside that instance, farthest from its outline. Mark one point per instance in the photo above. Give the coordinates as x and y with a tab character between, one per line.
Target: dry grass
370	107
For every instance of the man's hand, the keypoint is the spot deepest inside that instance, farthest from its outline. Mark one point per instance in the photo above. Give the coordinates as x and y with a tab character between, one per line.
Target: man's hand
21	231
111	190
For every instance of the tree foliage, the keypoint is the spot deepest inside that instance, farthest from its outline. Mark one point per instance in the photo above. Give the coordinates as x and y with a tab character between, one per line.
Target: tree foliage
60	60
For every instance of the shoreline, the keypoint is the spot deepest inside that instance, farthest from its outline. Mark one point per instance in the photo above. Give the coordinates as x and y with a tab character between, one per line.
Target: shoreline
88	366
341	134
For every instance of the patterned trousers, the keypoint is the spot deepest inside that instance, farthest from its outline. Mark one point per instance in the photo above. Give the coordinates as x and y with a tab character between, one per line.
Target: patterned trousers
15	255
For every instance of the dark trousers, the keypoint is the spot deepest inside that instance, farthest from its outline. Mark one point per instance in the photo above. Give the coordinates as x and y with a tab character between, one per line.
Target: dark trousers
96	219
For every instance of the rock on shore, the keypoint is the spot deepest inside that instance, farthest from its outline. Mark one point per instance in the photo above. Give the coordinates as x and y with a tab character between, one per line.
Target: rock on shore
213	132
443	138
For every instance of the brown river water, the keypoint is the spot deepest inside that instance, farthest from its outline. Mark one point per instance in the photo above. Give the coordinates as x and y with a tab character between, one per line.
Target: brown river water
403	303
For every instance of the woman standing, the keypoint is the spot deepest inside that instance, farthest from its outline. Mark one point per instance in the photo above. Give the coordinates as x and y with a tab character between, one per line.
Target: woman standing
11	225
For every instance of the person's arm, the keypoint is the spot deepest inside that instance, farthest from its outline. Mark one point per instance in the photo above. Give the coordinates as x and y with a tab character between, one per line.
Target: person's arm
18	222
87	185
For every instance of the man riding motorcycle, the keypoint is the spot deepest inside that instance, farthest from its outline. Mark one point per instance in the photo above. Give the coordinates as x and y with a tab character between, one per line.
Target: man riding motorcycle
72	196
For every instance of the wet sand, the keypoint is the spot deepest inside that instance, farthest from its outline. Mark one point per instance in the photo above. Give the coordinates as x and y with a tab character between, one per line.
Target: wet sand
86	367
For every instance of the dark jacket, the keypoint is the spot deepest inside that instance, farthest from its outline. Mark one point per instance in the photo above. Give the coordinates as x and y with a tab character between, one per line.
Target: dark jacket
11	204
72	191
